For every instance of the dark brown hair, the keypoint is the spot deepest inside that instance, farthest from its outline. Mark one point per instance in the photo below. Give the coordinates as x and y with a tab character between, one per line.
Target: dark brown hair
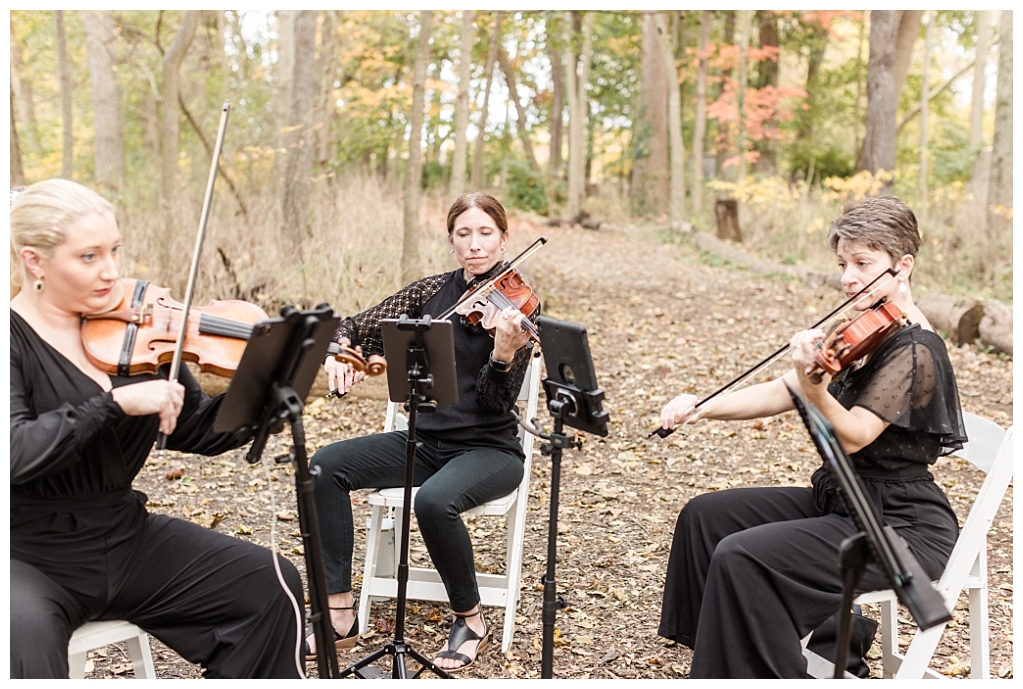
485	202
883	223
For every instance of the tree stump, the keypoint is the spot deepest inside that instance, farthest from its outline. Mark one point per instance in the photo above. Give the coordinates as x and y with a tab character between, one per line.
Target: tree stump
726	211
996	326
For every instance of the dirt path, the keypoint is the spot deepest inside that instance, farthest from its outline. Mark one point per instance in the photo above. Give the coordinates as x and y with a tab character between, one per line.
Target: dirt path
662	319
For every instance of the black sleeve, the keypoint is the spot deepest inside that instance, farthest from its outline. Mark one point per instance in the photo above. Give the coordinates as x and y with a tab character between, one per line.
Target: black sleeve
497	391
913	386
52	441
194	431
363	329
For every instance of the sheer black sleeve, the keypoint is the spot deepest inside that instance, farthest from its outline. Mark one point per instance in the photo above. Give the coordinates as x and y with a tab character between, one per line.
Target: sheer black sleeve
363	329
911	385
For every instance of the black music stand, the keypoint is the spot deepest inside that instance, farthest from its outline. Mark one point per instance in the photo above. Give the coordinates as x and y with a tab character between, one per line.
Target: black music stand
874	541
276	372
573	399
420	345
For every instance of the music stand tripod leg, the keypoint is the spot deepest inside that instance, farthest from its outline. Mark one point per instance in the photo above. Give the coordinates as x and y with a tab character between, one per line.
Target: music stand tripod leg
853	557
399	648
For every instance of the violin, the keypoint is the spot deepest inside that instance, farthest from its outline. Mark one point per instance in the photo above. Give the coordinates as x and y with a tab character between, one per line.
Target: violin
482	303
862	348
141	334
853	339
509	291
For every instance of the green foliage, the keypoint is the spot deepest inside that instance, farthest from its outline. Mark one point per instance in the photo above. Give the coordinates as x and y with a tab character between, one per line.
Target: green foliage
826	160
524	188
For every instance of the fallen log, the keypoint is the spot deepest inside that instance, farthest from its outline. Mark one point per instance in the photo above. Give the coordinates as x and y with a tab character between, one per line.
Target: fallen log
958	317
964	320
996	326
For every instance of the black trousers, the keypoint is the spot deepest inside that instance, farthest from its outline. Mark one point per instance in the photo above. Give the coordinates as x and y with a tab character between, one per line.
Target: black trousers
213	598
754	570
451	480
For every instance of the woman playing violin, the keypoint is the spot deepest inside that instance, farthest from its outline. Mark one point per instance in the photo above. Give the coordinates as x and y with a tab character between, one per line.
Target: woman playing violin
83	546
470	453
754	570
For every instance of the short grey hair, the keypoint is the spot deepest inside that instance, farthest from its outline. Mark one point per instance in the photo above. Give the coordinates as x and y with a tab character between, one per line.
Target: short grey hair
883	223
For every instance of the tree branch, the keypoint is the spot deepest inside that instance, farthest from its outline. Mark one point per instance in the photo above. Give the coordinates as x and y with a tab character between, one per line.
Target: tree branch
932	95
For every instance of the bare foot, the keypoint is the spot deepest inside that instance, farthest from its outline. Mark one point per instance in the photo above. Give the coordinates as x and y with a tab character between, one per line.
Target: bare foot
342	616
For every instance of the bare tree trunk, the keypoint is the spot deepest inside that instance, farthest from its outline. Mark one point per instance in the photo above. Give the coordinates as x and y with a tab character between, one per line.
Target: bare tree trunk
410	263
477	156
924	76
979	68
700	125
745	28
650	167
558	101
23	96
17	170
677	154
908	22
460	157
859	89
767	70
106	100
999	221
284	74
723	136
520	125
170	134
578	111
67	151
879	141
300	138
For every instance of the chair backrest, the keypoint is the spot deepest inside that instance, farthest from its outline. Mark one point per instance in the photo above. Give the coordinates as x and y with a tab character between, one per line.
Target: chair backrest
989	448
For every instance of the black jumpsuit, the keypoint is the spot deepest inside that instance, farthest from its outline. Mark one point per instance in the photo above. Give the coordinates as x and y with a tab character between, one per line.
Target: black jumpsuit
754	570
83	546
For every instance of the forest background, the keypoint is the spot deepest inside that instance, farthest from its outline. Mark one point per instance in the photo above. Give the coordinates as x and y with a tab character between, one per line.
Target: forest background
627	117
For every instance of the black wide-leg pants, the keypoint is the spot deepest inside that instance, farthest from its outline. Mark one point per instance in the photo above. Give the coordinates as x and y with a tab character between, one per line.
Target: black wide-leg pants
213	598
451	479
754	570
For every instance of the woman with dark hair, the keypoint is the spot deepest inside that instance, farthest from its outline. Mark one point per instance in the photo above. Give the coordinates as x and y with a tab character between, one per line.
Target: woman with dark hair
470	453
754	570
83	545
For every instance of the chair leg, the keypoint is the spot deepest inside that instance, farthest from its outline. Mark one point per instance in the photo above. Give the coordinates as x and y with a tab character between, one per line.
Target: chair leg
920	652
141	656
76	665
980	652
369	570
889	638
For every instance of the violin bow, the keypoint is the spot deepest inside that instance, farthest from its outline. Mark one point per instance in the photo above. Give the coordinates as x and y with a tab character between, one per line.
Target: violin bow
484	287
662	432
175	368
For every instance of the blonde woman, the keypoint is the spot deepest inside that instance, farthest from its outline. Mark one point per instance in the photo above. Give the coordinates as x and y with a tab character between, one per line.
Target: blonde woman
83	545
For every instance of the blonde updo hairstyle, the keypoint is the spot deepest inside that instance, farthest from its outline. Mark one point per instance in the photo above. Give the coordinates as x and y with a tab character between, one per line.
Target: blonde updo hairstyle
40	216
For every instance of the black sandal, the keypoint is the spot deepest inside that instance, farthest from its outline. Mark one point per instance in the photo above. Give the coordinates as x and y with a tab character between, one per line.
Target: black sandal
341	643
460	634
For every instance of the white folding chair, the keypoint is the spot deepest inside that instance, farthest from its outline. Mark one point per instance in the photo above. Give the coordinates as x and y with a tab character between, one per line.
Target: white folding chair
989	449
379	581
98	634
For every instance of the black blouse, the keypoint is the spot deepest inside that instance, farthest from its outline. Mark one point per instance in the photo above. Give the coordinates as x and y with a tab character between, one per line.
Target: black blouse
70	439
909	383
482	416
